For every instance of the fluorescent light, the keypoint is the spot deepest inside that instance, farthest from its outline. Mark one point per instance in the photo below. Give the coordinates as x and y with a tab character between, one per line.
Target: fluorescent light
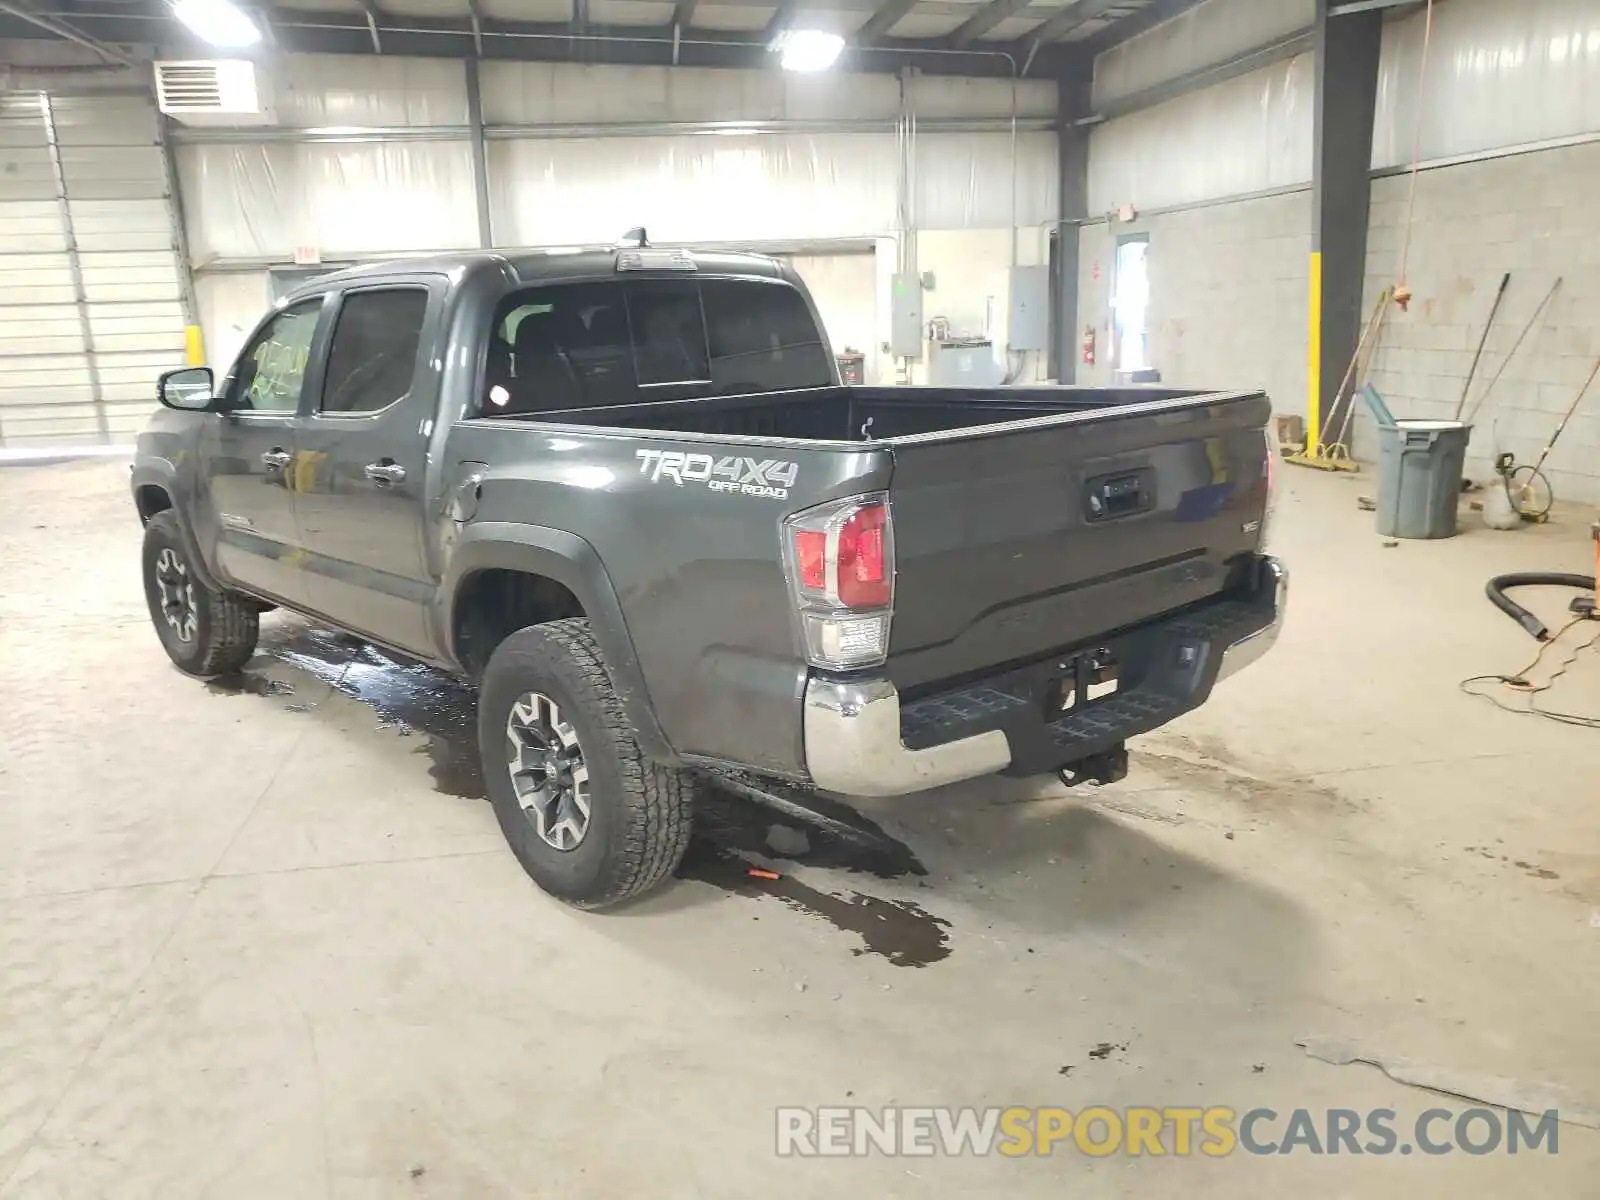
807	49
218	22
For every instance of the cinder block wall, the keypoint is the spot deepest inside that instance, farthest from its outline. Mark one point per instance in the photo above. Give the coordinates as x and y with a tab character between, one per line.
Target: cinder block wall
1536	215
1228	295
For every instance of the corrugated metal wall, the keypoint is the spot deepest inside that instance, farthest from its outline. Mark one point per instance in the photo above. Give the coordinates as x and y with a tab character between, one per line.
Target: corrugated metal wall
578	154
1221	181
91	291
811	172
1207	34
1499	75
1246	135
1501	78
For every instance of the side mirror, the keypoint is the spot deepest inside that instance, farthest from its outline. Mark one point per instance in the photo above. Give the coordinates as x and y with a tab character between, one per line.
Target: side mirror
188	389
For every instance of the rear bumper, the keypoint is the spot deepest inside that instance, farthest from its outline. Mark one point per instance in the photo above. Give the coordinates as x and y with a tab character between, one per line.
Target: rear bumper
860	740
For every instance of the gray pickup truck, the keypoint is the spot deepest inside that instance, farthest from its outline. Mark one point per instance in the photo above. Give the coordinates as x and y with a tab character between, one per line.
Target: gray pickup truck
625	492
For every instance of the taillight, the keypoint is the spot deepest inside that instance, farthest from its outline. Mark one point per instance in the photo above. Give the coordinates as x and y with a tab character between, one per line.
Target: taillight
810	555
863	574
841	573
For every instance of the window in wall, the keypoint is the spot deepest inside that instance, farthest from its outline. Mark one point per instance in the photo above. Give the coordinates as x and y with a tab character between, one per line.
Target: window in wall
1130	303
373	358
270	373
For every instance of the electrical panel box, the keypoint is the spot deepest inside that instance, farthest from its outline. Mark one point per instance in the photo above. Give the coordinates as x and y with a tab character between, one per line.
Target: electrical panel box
905	316
1029	325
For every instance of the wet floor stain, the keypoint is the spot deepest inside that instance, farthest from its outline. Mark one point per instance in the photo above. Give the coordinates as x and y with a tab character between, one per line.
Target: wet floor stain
407	697
244	683
839	838
731	830
454	767
404	694
904	933
411	699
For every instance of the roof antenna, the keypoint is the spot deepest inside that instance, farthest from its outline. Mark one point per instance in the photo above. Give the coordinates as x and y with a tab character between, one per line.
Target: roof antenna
634	237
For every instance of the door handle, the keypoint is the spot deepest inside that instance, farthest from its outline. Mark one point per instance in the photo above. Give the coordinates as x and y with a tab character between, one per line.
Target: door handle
385	474
276	459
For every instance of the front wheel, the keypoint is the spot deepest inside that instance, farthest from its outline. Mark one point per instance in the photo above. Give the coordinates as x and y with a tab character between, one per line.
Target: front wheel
204	632
591	819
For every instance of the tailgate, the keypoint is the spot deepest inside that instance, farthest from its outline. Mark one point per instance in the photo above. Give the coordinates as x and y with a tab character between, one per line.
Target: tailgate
1014	541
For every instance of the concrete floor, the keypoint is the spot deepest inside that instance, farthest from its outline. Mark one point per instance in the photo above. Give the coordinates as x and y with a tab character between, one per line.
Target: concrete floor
260	940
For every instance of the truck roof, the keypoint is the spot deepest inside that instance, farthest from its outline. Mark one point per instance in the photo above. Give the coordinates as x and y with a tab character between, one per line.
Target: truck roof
538	266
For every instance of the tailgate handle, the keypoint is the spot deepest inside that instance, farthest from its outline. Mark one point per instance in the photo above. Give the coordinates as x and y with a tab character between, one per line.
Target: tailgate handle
1111	496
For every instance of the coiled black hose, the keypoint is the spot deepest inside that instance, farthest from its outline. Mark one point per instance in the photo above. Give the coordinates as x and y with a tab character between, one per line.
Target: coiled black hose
1497	587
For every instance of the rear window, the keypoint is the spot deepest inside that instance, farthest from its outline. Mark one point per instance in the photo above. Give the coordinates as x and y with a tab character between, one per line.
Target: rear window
593	345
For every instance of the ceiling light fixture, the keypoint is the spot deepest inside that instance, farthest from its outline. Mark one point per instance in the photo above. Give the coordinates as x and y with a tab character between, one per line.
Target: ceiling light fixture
807	49
218	22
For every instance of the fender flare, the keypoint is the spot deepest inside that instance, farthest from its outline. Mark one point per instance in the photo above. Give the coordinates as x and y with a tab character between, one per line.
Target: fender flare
160	473
572	562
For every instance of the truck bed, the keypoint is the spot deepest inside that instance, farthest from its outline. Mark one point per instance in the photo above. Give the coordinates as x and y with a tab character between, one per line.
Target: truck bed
853	414
1027	519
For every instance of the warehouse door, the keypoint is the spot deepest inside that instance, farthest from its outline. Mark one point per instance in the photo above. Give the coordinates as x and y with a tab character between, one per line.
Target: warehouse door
91	293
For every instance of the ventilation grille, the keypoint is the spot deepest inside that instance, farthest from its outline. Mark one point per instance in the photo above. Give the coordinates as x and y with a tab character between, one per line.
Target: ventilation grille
189	85
212	92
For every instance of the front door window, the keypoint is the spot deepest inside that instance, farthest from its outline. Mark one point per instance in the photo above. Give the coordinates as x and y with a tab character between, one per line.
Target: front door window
271	372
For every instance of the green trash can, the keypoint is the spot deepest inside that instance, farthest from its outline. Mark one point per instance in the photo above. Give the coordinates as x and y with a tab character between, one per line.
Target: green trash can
1419	477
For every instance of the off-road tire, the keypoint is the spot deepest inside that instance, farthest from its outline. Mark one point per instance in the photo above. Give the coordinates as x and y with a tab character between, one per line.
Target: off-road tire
226	623
639	812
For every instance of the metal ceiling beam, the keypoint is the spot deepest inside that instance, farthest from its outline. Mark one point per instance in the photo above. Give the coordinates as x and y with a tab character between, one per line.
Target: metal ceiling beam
62	30
371	14
262	15
304	32
782	17
1068	19
986	19
475	19
883	19
1147	18
1356	6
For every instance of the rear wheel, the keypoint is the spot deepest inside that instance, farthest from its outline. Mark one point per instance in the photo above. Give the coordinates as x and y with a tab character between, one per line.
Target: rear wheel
204	632
591	819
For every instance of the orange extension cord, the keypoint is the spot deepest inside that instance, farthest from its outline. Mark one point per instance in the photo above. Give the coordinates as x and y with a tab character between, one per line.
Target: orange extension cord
1402	292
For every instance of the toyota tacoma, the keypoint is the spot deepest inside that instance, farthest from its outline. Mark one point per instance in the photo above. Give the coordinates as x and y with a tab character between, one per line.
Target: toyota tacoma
624	491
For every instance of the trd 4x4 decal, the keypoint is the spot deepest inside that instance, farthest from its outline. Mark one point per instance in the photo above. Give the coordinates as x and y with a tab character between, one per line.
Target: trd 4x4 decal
767	477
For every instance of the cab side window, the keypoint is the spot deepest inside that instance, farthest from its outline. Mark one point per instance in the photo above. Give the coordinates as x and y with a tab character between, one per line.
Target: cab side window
564	346
271	372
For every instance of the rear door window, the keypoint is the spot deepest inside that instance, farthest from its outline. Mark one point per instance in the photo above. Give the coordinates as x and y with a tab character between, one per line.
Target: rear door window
373	357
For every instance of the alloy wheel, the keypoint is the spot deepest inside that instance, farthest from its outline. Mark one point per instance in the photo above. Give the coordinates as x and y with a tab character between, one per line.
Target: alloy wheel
548	771
176	588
